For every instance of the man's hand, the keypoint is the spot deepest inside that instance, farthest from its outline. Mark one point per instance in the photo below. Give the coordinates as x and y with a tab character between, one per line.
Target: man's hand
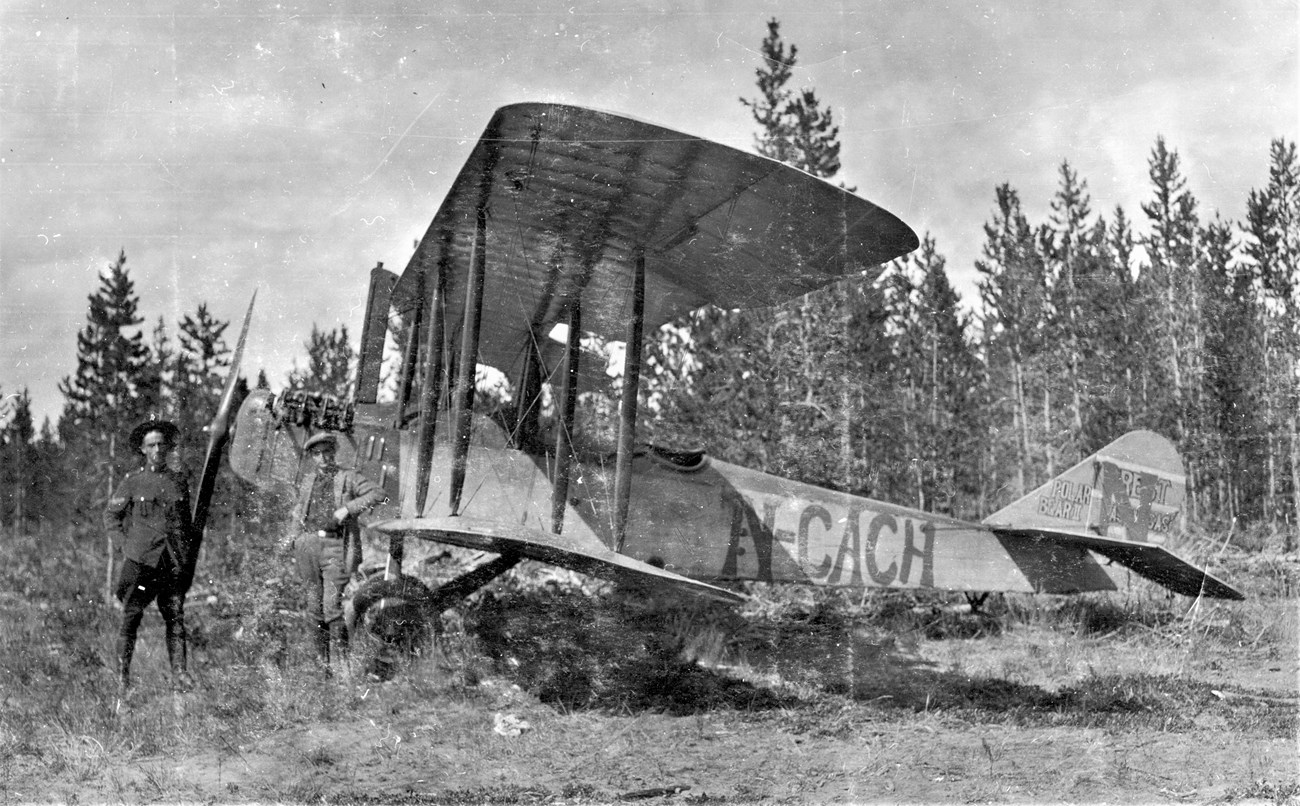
340	514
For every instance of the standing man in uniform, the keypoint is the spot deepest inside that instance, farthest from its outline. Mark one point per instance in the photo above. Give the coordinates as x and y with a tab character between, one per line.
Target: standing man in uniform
327	547
149	517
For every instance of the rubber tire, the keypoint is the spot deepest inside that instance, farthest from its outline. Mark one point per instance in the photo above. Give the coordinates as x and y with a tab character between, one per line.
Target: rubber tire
410	603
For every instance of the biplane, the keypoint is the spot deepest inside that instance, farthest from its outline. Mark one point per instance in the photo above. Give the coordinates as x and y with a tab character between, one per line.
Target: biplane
566	222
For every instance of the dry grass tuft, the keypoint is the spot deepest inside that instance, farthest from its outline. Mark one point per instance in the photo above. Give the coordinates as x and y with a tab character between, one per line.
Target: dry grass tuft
566	654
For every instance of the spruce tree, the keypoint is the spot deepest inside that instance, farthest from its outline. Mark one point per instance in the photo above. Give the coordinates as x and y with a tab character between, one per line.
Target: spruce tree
330	362
1171	250
201	363
794	127
18	461
1013	295
776	388
107	394
1273	250
1235	380
939	381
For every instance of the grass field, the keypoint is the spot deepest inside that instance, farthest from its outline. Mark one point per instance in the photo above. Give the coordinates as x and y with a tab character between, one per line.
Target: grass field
548	688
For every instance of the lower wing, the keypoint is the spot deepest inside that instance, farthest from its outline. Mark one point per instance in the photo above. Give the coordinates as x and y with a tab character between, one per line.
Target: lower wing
587	556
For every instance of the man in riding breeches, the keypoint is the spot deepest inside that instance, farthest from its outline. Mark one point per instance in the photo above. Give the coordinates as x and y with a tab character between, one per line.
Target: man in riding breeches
327	544
149	517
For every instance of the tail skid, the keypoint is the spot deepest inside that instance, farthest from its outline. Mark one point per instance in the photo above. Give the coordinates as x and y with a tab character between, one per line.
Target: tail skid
1124	502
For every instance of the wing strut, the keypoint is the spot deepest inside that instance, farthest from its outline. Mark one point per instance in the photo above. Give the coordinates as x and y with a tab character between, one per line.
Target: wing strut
568	403
409	354
468	358
431	388
627	405
523	431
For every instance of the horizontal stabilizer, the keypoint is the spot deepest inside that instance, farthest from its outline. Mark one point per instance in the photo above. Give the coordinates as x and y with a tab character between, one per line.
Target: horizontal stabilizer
585	555
1153	562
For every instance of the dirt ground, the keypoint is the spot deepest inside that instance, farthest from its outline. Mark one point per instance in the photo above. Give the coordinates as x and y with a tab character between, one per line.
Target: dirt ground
499	744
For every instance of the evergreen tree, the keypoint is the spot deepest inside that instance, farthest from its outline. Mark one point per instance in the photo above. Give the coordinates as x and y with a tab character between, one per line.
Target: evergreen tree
1114	370
777	388
330	363
794	127
106	396
1171	250
156	387
939	381
18	461
1273	250
1013	295
1072	267
1235	381
44	501
200	367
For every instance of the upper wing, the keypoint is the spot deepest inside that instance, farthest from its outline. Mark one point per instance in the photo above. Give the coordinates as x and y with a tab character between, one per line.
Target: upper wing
573	195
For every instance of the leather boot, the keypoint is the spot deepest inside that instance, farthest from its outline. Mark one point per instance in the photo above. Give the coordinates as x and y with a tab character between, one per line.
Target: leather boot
339	638
177	656
322	639
125	649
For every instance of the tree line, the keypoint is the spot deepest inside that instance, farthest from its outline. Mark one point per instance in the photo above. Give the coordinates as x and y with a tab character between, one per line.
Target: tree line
63	473
1087	325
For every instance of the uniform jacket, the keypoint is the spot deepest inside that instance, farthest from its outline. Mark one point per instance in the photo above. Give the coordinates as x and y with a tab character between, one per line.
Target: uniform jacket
149	511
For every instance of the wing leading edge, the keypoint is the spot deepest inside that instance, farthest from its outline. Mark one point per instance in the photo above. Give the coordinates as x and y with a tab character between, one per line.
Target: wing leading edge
573	196
587	556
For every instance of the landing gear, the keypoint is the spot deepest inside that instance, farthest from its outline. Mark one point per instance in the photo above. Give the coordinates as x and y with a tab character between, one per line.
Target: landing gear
403	615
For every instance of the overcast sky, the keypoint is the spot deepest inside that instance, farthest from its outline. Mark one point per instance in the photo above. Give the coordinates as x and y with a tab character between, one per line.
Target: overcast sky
288	147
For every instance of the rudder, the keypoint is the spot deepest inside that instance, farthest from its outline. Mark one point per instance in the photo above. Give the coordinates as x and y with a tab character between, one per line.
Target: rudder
1133	490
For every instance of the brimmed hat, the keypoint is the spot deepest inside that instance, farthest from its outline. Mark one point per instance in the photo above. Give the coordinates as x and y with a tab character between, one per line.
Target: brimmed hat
320	439
169	431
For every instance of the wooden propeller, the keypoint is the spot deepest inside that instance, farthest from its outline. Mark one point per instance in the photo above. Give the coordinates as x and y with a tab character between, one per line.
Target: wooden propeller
218	434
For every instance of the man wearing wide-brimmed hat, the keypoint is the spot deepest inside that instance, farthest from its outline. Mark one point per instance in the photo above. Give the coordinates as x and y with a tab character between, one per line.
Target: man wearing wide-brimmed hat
149	515
327	544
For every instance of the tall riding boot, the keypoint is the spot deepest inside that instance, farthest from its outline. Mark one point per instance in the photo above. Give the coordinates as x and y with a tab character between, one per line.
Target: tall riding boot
339	637
125	649
177	656
323	645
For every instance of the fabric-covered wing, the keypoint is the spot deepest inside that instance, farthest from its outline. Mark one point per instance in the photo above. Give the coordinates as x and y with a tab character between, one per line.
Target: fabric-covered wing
567	551
573	195
1156	563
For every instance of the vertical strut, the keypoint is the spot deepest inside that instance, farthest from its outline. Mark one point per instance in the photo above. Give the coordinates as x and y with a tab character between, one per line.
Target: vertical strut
468	358
628	404
523	433
431	388
568	403
409	353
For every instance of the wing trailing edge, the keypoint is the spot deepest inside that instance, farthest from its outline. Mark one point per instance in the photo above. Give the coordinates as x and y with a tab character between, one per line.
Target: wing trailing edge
1147	560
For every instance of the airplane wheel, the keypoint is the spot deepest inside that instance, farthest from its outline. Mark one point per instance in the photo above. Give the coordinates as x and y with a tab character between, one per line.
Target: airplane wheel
398	612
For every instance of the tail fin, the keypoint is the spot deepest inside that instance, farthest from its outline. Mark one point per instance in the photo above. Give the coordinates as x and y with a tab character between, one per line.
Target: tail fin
1133	489
1125	502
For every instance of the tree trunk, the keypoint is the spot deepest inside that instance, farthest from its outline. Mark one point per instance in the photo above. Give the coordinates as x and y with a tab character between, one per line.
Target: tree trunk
1294	436
108	535
1021	419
